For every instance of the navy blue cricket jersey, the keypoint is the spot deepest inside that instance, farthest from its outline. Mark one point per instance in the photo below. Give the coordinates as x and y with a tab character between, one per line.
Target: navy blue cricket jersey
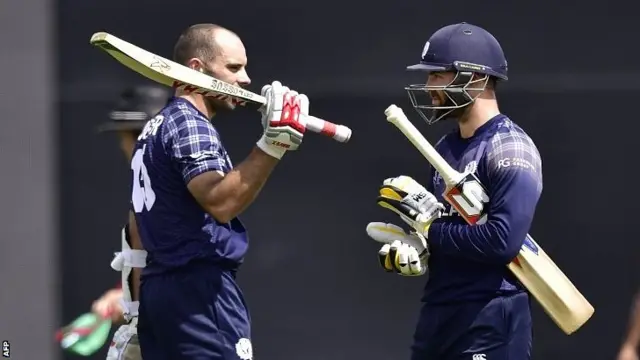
469	262
177	145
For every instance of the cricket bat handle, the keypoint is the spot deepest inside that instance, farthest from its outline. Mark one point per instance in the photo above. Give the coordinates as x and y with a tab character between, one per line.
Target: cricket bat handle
339	133
396	116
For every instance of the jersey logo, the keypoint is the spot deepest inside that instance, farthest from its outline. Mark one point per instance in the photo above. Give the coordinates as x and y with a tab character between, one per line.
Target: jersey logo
244	349
471	167
200	155
517	162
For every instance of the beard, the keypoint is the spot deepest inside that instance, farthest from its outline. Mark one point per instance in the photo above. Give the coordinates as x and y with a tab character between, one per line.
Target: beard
220	106
453	113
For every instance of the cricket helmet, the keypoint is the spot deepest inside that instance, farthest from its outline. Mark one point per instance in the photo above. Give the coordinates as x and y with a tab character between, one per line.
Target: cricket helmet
135	106
465	50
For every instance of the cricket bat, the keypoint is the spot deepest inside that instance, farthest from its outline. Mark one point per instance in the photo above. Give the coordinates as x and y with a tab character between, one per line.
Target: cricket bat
172	74
536	271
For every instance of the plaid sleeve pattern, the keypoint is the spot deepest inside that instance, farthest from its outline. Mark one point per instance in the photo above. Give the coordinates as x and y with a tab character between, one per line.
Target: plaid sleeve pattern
194	144
511	149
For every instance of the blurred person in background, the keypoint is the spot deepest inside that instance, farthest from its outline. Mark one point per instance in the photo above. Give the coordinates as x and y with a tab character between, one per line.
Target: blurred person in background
629	349
136	105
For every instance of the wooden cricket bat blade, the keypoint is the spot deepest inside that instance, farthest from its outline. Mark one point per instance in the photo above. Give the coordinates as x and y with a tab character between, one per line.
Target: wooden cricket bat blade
557	295
151	67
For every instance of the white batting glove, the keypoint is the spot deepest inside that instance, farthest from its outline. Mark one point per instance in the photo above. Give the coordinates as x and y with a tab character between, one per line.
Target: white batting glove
405	254
283	119
415	205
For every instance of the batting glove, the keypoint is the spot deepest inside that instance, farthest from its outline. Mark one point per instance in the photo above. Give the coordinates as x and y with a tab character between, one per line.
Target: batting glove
283	119
402	253
411	201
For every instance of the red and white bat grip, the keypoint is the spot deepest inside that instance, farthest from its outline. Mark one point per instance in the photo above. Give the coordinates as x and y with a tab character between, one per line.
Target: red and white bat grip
339	133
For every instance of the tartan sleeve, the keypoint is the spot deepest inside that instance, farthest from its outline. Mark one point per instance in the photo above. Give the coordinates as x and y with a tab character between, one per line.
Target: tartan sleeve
194	144
513	169
513	154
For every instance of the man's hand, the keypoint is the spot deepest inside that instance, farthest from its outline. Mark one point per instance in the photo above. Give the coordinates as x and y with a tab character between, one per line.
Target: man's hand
108	305
415	205
283	119
405	254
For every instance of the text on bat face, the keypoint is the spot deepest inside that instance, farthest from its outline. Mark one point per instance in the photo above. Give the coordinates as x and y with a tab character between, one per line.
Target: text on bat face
194	89
230	89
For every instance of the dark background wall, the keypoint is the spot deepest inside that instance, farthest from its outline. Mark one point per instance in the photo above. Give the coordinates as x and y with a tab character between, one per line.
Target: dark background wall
311	277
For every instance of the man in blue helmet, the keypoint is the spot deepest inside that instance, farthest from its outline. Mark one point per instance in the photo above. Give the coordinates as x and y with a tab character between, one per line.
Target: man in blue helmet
473	306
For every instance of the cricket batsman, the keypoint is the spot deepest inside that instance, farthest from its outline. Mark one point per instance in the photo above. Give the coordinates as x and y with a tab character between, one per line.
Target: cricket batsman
187	196
473	307
136	105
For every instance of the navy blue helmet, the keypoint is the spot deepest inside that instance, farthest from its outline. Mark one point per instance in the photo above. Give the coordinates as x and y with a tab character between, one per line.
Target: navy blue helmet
465	50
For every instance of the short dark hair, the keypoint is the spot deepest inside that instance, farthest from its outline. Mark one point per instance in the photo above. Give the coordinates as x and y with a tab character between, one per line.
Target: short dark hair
197	41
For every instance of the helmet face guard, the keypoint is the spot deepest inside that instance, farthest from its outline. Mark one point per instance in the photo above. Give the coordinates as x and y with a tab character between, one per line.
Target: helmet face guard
457	95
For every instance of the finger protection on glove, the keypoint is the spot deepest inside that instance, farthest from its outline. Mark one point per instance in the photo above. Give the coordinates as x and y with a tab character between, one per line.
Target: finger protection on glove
401	258
388	233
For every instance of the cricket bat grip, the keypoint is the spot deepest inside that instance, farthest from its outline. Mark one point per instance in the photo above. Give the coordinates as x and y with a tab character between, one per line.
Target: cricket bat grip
396	116
339	133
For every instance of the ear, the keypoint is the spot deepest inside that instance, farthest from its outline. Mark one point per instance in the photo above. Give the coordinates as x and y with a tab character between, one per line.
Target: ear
195	64
477	76
491	81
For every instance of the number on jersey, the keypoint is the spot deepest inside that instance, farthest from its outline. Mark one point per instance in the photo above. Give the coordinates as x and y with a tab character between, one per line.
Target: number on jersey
142	195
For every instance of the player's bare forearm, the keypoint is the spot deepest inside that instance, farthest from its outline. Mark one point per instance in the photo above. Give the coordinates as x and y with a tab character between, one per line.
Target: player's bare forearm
137	245
227	197
633	336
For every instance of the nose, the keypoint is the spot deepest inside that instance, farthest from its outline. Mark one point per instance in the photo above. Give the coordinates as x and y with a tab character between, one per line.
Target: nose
243	78
430	80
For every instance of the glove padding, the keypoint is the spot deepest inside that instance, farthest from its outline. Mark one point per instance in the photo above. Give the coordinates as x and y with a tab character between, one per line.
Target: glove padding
283	119
411	201
121	345
405	254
